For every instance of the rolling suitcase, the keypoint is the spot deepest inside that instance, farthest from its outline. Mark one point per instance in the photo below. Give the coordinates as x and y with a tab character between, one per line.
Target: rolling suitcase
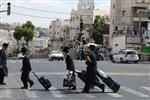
43	81
82	76
108	81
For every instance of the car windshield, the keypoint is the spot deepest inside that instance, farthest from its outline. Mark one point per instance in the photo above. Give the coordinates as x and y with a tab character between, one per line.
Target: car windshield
131	53
56	52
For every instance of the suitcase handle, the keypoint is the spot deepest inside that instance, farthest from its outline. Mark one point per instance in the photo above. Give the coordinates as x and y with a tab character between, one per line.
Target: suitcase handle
35	75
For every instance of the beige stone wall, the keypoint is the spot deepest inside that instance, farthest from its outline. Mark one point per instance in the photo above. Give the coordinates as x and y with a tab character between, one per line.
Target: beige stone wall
116	13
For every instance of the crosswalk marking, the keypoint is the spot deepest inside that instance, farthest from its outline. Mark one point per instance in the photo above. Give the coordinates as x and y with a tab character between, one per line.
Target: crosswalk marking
146	88
5	93
90	96
109	73
134	92
116	95
31	94
55	93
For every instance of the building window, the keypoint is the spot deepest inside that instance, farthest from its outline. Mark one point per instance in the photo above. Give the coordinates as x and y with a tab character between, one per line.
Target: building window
113	6
113	21
123	13
142	1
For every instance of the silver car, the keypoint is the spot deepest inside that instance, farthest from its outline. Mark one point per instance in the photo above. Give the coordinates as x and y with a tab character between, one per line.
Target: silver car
126	56
56	54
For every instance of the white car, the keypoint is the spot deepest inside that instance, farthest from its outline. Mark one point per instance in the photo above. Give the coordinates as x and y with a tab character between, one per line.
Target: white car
126	56
56	54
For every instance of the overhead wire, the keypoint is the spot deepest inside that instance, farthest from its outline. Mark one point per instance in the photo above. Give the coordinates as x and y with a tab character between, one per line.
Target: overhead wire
32	15
40	10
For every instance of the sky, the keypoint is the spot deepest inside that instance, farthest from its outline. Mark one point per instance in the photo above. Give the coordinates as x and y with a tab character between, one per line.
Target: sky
49	10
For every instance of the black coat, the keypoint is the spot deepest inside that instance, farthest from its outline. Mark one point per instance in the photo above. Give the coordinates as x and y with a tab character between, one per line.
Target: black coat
26	67
3	62
91	68
69	63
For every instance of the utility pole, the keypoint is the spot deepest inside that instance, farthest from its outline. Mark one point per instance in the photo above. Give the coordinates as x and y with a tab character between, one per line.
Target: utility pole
81	29
8	9
140	18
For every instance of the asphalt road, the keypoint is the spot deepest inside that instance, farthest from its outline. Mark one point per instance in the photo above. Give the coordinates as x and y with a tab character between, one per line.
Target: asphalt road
133	78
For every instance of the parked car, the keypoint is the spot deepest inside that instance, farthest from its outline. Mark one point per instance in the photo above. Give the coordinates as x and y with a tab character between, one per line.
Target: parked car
20	56
126	56
56	54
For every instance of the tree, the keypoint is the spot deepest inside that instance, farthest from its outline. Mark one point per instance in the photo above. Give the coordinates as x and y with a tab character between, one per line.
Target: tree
18	33
28	31
99	28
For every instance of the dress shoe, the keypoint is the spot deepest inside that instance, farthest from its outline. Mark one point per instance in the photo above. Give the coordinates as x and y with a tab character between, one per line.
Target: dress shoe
84	91
23	88
73	88
31	84
2	83
103	88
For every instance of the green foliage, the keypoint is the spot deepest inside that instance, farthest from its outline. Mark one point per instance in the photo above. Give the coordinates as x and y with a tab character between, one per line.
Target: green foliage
99	28
26	31
18	33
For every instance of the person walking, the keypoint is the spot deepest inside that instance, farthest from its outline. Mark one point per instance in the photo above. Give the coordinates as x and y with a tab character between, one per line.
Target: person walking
91	71
70	66
26	69
81	53
3	63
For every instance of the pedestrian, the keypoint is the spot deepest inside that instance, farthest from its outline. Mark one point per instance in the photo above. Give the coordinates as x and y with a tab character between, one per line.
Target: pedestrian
91	71
139	53
70	66
26	69
3	63
81	53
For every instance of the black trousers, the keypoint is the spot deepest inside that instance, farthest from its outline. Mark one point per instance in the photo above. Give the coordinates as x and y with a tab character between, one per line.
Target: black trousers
1	76
25	79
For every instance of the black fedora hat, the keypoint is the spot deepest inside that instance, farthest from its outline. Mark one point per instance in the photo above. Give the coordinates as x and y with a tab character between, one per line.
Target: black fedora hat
24	50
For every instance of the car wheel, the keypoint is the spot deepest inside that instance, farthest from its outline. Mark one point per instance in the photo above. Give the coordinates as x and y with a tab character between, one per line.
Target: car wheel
121	60
136	62
49	59
112	59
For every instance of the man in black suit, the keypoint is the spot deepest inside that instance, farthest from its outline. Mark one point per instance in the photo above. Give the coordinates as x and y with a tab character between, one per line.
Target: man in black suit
26	69
91	71
3	63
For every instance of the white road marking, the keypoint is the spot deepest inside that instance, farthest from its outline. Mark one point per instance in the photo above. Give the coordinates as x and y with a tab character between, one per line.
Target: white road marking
57	94
134	92
0	95
116	95
108	73
5	93
13	62
146	88
90	96
31	94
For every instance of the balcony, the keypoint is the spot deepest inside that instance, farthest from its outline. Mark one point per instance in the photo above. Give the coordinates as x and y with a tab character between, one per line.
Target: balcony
140	11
